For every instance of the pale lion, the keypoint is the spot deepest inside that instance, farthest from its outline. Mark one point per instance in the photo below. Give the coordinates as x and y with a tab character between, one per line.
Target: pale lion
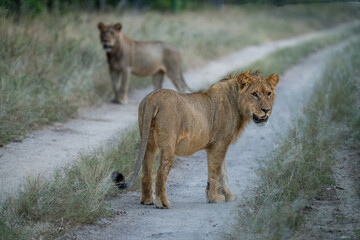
182	124
126	56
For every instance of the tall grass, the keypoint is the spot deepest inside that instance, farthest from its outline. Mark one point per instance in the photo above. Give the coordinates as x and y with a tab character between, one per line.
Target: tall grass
76	194
52	65
303	164
44	77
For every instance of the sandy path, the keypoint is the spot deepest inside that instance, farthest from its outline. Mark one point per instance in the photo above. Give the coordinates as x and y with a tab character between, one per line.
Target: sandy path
57	145
190	217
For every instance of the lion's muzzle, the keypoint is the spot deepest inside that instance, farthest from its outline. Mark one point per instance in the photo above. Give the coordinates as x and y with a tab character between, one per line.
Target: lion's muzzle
261	121
107	47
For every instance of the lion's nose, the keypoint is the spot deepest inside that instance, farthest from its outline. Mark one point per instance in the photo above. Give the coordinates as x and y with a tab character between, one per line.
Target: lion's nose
265	110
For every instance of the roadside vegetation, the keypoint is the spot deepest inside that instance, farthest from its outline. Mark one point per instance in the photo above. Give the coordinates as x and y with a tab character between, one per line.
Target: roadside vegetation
46	208
303	164
52	64
77	194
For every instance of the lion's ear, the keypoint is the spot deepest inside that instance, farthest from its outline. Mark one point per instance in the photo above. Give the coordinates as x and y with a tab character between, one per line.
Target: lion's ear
118	26
244	79
273	80
101	26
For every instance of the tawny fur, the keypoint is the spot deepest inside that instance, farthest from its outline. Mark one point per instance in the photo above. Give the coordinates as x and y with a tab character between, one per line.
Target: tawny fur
182	124
126	56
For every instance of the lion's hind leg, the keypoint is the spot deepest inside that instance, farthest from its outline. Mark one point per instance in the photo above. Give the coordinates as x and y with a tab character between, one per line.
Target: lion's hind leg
176	79
157	79
146	182
166	160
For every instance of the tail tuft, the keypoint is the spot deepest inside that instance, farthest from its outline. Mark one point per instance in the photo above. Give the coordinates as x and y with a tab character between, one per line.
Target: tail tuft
119	180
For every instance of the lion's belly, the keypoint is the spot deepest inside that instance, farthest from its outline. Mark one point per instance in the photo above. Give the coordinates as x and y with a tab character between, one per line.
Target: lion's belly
187	145
147	70
147	62
185	148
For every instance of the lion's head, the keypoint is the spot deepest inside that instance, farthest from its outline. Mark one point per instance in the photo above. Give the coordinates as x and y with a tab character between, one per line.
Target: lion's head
258	94
109	35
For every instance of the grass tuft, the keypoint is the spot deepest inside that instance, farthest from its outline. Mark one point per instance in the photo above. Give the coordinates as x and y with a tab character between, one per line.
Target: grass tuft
6	233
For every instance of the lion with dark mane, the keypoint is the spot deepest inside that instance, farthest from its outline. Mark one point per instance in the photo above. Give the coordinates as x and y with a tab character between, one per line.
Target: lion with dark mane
182	124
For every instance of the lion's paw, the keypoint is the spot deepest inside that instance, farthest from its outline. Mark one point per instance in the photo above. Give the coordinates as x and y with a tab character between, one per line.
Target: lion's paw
231	198
123	101
116	101
216	199
161	204
149	201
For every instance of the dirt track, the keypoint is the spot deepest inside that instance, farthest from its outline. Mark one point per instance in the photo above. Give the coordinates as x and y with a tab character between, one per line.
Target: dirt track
190	217
59	144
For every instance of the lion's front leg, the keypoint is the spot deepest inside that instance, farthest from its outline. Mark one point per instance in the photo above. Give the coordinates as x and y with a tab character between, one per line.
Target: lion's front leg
115	77
223	187
157	79
215	157
124	85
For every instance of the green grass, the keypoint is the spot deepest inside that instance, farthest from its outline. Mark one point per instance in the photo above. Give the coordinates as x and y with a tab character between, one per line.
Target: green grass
303	164
52	65
48	207
6	233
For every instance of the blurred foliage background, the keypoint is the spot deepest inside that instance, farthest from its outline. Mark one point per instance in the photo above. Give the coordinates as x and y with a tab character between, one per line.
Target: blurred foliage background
36	6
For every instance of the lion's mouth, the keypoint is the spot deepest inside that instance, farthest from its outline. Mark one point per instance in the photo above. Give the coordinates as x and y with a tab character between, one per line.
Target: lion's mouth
107	47
259	120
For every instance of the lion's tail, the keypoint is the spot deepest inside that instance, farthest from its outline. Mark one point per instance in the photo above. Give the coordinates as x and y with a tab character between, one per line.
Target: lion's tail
147	117
183	83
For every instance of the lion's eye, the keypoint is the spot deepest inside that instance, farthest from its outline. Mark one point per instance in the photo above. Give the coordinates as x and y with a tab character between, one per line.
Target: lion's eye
255	94
269	93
